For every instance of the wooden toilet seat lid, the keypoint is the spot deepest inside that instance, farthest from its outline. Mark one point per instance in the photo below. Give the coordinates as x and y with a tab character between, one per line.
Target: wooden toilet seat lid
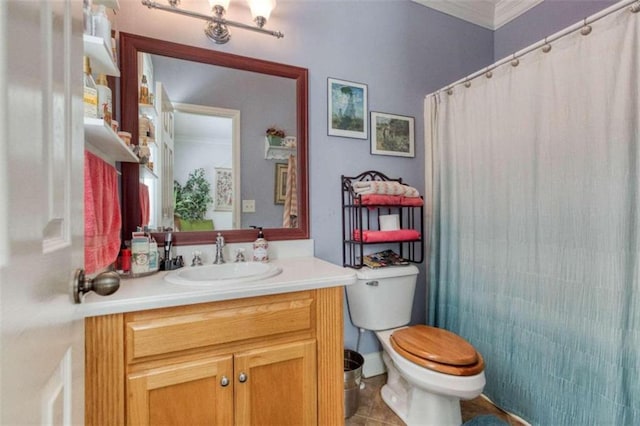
437	349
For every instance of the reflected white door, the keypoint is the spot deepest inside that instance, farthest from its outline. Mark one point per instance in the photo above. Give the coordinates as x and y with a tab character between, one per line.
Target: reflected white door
41	211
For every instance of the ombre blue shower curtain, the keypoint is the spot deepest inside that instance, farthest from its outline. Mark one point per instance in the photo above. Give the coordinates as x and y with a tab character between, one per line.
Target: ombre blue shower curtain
535	243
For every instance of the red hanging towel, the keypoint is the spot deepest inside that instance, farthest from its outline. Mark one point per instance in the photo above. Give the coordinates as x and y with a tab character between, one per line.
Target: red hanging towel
102	221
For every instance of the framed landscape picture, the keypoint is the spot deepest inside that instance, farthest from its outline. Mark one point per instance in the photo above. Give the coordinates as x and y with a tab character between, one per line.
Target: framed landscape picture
392	134
347	109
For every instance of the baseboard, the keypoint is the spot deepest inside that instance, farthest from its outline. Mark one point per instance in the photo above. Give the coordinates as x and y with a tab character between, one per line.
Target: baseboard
373	364
518	418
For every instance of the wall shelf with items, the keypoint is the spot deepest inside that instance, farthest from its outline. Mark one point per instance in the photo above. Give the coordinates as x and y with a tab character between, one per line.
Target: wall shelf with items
275	152
369	201
101	56
101	140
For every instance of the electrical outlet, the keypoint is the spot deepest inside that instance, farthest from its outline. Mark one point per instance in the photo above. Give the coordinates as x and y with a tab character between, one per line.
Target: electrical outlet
248	206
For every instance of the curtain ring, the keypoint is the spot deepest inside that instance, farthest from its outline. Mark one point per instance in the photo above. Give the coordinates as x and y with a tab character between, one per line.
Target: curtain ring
635	8
515	61
467	83
547	47
449	91
586	29
489	74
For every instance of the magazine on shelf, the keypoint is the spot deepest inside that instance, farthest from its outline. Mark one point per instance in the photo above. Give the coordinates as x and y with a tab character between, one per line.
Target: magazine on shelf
384	258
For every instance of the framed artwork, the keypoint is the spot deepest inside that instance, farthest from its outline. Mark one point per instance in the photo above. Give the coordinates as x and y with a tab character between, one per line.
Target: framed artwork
224	190
280	190
347	109
392	134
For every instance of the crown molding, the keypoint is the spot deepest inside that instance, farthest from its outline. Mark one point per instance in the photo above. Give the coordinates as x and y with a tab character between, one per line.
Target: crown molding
490	14
507	10
479	12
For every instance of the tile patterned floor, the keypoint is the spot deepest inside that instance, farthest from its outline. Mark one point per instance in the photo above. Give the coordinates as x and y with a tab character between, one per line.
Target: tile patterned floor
372	411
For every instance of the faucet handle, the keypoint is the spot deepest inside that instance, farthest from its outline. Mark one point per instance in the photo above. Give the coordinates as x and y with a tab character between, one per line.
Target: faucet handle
239	255
197	260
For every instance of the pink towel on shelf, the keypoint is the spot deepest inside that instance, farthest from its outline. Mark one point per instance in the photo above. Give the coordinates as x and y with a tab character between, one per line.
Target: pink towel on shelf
412	201
143	195
369	236
380	200
290	214
390	200
102	221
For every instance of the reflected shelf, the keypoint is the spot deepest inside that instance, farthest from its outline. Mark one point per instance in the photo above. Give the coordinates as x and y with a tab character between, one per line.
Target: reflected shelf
275	152
149	110
147	173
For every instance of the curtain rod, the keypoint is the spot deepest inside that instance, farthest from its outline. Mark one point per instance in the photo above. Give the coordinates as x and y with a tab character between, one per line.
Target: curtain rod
520	53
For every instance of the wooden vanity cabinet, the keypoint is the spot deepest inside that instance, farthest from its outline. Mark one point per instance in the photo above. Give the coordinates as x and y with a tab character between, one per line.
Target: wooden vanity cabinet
263	360
188	393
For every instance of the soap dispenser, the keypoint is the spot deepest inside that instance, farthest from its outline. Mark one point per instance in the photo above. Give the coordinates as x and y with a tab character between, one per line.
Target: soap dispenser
260	247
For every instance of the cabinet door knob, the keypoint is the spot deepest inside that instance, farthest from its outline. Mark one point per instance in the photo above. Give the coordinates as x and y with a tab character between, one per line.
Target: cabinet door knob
224	381
242	378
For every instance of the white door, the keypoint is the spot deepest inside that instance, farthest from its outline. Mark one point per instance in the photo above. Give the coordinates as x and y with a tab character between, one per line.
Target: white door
41	211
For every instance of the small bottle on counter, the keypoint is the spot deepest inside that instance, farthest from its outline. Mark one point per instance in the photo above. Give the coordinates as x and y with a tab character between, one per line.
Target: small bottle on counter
140	253
125	259
153	255
260	247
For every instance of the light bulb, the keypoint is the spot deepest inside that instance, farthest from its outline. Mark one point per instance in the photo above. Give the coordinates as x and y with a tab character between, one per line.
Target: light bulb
261	8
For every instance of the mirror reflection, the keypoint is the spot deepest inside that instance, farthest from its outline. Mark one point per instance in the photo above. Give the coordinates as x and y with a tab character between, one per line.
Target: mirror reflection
228	144
214	170
206	167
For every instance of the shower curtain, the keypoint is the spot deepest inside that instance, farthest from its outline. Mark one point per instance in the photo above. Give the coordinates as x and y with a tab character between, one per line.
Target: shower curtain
535	244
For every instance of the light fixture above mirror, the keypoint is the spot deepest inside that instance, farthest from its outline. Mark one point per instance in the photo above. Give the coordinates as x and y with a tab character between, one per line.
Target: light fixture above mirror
217	25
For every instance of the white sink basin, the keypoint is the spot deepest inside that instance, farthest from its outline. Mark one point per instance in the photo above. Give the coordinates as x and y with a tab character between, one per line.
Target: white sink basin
227	273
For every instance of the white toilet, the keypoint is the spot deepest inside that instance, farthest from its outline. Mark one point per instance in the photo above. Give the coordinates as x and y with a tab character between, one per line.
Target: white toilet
429	370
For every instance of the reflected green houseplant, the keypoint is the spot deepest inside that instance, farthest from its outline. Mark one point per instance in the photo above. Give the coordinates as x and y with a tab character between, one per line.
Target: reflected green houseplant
192	199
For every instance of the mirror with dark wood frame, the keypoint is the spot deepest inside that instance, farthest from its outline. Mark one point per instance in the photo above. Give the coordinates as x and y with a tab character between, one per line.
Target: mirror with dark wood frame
130	46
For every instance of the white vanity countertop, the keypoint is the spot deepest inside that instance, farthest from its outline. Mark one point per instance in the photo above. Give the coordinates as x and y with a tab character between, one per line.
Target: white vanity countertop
151	292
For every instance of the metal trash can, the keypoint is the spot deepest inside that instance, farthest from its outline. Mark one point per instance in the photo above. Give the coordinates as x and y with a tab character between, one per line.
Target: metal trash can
353	362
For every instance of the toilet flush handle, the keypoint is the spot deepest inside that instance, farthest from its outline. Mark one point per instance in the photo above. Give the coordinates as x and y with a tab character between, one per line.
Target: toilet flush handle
372	283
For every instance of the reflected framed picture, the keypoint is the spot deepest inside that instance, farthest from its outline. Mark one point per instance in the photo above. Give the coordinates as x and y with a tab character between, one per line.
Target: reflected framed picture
392	134
347	109
280	191
224	190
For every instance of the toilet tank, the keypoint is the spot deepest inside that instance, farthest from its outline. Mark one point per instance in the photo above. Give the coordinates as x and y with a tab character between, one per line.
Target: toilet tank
382	298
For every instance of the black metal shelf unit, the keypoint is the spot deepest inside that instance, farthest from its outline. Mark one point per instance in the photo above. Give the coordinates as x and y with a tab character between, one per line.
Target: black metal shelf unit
359	216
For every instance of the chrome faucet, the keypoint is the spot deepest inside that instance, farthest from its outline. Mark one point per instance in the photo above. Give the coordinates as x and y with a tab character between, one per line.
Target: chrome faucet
219	244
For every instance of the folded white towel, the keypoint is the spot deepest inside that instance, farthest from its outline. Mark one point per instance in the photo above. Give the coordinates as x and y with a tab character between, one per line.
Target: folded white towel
384	187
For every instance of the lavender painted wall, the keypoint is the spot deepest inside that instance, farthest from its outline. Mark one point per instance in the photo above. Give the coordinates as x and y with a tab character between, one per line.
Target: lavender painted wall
541	21
400	49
